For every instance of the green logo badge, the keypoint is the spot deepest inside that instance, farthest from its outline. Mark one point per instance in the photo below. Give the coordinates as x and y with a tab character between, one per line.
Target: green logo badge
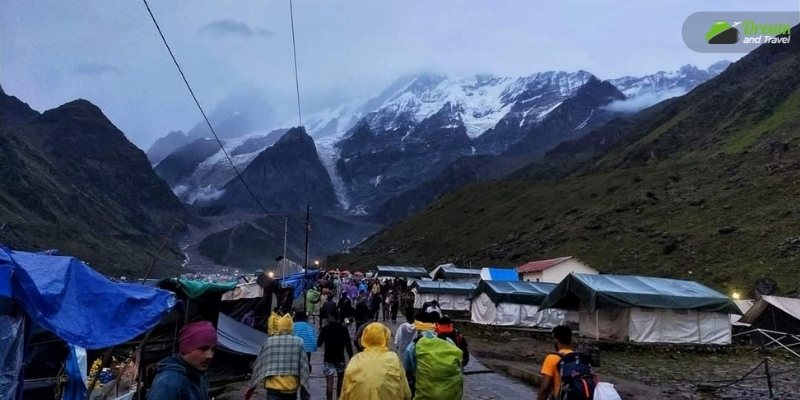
722	33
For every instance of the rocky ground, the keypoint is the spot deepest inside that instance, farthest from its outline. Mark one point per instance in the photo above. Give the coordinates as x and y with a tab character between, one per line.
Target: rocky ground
644	373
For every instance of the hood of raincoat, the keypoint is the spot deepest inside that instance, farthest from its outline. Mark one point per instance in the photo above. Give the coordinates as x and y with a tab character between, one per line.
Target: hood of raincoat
277	325
375	373
424	326
376	337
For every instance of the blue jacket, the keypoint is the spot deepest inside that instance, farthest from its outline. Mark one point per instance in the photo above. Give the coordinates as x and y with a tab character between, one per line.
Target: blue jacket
305	331
177	380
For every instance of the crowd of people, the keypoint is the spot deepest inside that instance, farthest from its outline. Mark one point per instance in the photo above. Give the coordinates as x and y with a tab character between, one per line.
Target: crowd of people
425	361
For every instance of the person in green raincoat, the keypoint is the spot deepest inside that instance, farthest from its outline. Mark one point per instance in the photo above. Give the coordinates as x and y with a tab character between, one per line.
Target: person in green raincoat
313	297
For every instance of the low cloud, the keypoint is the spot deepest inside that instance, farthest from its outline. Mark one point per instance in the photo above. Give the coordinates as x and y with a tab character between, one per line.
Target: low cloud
643	101
225	27
94	69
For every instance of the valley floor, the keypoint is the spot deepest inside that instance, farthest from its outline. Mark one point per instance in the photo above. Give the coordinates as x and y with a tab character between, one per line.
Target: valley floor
505	366
640	373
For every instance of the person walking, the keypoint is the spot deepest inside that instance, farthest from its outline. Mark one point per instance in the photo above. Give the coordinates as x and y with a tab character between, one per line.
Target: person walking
433	365
282	364
446	330
336	339
363	313
578	381
182	376
375	306
305	331
328	307
404	335
394	305
375	373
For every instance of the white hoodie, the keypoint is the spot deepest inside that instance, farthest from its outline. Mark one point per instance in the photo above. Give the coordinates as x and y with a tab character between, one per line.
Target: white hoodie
404	335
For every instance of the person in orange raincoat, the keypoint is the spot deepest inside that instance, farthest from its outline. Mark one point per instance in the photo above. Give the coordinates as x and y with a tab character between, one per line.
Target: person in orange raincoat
375	373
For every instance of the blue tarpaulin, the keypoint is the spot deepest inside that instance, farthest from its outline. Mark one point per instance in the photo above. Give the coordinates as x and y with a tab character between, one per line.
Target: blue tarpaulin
238	337
296	280
499	274
77	304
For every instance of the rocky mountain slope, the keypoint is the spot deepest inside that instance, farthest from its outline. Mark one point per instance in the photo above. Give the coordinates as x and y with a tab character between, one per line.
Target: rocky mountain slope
700	187
70	180
573	118
424	123
281	181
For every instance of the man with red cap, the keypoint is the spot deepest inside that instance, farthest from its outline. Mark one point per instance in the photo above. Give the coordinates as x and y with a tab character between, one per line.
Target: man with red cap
182	376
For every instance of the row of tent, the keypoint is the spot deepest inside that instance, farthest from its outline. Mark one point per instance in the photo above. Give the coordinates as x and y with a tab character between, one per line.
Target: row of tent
611	307
57	315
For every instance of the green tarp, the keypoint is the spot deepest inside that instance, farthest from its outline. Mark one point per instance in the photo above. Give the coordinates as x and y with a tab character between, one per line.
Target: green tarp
401	271
453	272
593	292
194	289
460	288
529	293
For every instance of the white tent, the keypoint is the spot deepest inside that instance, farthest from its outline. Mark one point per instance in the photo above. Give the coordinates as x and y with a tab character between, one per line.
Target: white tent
645	309
503	303
452	296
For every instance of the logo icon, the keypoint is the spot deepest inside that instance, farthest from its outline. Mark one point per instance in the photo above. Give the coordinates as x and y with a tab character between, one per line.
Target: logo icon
722	33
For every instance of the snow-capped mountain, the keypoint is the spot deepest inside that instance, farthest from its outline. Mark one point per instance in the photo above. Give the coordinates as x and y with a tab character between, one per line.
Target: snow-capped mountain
377	149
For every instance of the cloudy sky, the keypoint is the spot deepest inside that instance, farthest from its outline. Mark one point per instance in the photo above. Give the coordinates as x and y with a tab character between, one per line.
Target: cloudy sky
109	52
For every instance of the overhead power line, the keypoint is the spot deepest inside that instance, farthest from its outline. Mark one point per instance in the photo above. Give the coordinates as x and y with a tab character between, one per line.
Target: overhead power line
185	81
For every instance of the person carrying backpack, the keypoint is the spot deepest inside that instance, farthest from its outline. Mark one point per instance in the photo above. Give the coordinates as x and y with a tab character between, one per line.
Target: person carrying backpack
566	374
445	330
433	365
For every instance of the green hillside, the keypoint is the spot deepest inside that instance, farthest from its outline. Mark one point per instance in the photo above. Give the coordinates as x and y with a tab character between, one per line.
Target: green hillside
704	187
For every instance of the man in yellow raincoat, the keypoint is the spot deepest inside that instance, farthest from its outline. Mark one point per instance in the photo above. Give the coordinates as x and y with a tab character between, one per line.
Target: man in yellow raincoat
376	373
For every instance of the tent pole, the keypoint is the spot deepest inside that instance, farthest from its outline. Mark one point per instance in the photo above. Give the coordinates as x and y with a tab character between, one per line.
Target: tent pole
596	327
699	334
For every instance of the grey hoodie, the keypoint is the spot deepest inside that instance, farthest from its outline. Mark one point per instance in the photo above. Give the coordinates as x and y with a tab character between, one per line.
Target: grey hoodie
404	335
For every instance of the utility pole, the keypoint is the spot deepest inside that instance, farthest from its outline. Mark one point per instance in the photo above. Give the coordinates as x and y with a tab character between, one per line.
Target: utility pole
285	235
305	264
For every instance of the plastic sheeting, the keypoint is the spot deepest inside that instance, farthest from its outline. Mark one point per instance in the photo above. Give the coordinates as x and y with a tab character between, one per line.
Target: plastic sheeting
12	343
438	287
296	281
499	274
239	338
486	312
249	290
402	272
647	325
622	291
61	294
447	302
450	272
530	293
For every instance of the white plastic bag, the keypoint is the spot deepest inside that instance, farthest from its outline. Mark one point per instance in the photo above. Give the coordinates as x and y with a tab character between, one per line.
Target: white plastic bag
605	391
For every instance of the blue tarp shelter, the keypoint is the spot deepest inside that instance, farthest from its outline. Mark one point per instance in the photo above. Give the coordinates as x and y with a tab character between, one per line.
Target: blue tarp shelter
296	280
499	274
74	302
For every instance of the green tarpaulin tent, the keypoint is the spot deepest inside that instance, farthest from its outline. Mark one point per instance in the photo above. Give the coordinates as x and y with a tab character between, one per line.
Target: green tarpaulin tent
401	271
529	293
594	292
460	288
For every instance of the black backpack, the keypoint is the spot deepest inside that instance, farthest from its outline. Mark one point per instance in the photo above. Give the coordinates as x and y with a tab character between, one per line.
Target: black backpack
577	378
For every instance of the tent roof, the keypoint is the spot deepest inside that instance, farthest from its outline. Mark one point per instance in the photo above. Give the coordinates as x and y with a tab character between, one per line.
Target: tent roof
530	293
402	271
788	305
622	291
61	295
238	337
194	288
499	274
462	288
541	265
446	271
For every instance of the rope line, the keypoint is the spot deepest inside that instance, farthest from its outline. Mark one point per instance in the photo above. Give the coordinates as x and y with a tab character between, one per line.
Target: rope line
205	117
